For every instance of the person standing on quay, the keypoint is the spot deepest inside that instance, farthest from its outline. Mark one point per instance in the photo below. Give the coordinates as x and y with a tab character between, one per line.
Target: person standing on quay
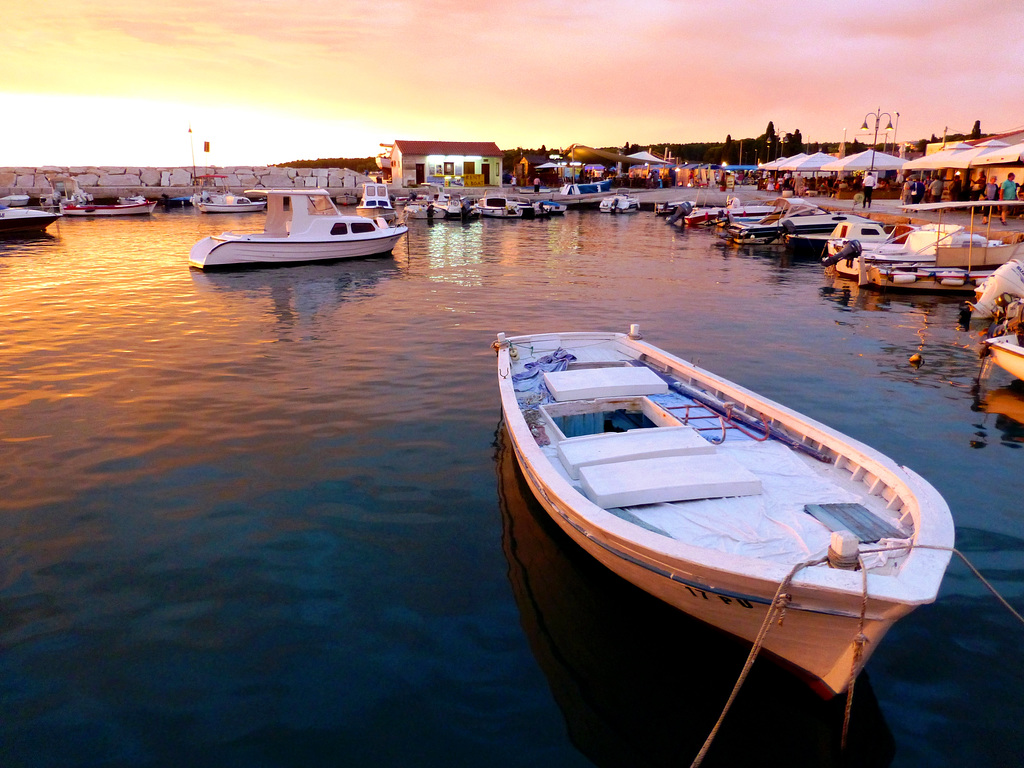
991	193
1007	191
869	187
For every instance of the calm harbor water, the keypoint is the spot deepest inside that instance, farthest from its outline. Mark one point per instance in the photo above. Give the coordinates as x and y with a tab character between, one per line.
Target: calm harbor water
268	518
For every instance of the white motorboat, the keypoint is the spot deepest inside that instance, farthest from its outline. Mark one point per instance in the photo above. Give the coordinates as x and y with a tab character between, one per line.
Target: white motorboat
873	233
550	207
376	201
723	503
504	207
24	221
434	203
734	209
302	226
213	196
1007	353
620	202
14	201
790	215
575	190
1005	342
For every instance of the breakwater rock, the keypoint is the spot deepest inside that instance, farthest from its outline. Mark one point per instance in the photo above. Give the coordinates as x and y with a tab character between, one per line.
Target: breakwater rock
114	181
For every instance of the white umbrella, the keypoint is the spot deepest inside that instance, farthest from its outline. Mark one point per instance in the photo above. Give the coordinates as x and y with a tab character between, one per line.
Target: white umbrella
777	163
810	163
946	158
864	161
999	152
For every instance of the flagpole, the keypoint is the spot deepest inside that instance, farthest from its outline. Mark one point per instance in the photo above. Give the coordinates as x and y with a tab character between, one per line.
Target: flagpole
193	146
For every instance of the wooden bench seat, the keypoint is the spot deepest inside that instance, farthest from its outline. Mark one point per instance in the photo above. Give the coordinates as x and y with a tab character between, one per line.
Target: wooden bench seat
648	443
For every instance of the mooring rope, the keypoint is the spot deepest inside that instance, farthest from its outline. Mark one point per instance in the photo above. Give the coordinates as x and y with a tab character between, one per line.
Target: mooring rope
778	605
781	601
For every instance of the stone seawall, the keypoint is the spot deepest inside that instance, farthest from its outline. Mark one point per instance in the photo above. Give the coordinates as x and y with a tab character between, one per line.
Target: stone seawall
113	181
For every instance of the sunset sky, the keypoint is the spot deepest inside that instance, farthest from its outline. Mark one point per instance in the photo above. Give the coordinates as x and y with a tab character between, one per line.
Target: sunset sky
114	82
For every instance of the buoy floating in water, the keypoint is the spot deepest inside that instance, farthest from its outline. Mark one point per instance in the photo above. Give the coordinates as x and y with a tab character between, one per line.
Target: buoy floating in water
916	360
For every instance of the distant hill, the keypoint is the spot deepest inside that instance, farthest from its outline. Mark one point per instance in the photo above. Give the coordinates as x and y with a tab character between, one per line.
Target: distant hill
361	164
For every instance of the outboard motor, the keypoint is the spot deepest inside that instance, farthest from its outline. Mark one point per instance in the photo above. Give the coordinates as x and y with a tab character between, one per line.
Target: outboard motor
1009	278
683	209
850	251
789	226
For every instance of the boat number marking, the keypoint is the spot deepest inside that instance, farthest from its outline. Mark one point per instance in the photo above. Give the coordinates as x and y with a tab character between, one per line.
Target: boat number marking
727	600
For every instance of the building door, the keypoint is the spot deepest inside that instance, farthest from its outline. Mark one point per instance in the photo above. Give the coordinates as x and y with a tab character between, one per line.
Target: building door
486	169
421	173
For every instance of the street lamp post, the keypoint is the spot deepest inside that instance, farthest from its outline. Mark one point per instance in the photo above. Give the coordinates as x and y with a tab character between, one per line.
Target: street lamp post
878	115
894	132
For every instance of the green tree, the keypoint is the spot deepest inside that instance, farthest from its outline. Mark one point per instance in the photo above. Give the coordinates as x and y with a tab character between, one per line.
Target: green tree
976	130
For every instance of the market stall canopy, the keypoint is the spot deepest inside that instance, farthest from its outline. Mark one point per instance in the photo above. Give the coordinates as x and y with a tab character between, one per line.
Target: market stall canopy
1002	155
545	166
648	159
808	163
591	155
863	161
774	164
946	158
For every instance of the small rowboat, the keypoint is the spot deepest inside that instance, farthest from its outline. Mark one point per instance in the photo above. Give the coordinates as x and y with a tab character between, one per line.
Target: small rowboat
723	503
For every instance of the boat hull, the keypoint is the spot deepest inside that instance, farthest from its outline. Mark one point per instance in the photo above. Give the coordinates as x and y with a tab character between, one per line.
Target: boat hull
231	207
126	209
1008	355
14	222
213	252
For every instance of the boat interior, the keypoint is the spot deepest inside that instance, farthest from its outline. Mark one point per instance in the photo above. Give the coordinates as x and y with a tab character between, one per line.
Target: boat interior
653	447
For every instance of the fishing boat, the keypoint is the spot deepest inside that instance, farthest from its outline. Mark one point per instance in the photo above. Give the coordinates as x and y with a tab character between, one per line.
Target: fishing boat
213	196
302	225
721	502
24	221
72	200
791	215
620	202
376	201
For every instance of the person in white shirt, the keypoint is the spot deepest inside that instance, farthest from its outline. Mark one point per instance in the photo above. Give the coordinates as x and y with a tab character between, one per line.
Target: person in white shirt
869	187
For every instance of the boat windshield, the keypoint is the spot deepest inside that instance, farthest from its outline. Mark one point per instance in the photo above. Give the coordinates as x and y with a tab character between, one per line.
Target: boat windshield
321	205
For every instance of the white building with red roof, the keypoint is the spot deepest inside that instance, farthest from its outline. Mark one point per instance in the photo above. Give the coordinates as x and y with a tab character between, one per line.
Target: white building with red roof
447	163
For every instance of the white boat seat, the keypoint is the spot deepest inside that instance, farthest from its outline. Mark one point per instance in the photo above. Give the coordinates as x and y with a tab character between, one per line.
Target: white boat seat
588	383
668	478
647	443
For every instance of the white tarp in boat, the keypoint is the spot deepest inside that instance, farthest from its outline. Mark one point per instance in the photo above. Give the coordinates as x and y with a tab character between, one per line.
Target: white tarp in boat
773	525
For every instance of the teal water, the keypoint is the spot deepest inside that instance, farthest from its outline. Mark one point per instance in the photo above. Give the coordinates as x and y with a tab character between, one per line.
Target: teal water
265	518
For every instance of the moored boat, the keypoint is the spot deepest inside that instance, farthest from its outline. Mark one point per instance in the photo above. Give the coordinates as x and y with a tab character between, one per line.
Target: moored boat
24	221
717	500
376	201
301	226
213	196
790	215
72	200
620	202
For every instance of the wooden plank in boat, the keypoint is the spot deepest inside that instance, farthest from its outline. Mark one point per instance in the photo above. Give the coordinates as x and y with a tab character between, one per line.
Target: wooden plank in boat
588	383
668	478
648	443
855	518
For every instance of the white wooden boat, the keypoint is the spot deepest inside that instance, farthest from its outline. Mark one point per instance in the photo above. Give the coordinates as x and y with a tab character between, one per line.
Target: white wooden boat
1006	332
712	496
213	196
72	200
1007	353
24	221
620	202
302	225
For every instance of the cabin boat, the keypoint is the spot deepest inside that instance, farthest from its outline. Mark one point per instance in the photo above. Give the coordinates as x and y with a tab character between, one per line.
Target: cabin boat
24	221
302	225
718	500
376	201
504	207
620	202
72	200
213	196
872	232
790	215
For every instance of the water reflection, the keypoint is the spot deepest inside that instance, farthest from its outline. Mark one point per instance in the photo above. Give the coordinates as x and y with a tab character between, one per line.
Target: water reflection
1006	407
640	683
298	293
